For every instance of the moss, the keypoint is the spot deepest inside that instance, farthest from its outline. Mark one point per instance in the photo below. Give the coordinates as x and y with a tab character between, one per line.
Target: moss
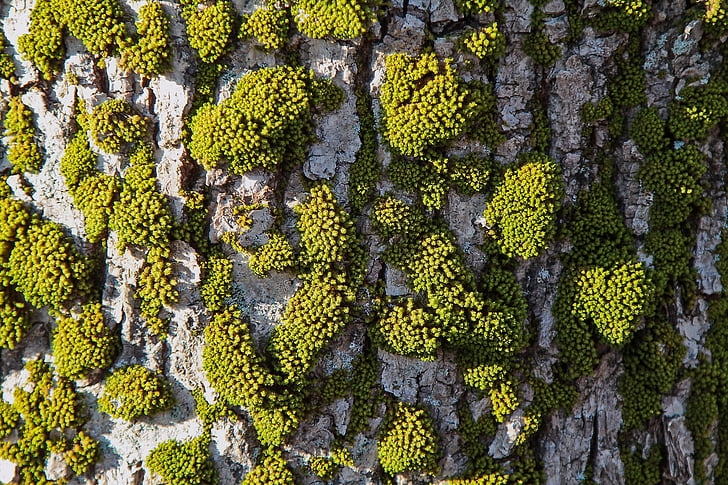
98	24
14	317
44	265
23	151
183	463
156	288
625	15
84	453
215	289
471	7
83	344
324	468
408	331
272	471
8	419
340	19
714	18
275	255
133	391
413	87
483	115
7	66
208	413
365	171
522	213
698	110
95	197
43	44
267	120
149	54
114	124
627	89
648	132
141	215
485	43
538	46
78	161
491	479
278	420
408	442
232	364
269	26
194	228
209	27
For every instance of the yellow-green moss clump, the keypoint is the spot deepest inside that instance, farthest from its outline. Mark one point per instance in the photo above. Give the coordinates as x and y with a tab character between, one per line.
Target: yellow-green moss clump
267	120
425	103
408	442
47	414
522	213
218	271
209	27
14	321
183	463
272	471
45	266
83	344
7	66
141	215
114	124
698	110
134	391
275	255
23	151
149	54
341	19
43	44
469	7
269	26
99	24
410	331
485	43
715	18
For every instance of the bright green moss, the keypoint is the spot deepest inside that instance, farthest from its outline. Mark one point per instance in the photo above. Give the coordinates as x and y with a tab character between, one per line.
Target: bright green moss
23	151
409	331
83	344
647	471
183	463
408	442
78	161
394	217
341	19
419	177
714	18
209	27
114	124
95	197
613	299
648	131
195	226
314	315
470	7
272	471
215	289
7	66
84	453
43	44
269	26
14	321
133	391
625	15
483	115
279	419
141	215
16	220
324	468
265	122
99	24
208	413
44	265
275	255
8	419
484	43
698	110
522	213
156	288
470	175
149	54
232	364
425	103
365	171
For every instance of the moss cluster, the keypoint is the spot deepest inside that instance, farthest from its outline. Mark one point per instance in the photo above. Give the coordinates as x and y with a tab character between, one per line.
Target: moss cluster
99	24
183	463
23	151
13	317
7	66
522	213
414	87
267	120
275	255
625	15
698	110
715	18
215	289
156	288
134	391
365	171
470	7
407	330
43	44
47	414
485	43
114	124
150	52
209	27
408	442
340	19
537	44
83	344
272	471
269	26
